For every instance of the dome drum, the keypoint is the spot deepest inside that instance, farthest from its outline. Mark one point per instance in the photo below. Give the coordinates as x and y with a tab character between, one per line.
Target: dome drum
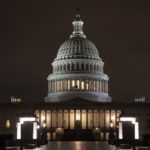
78	65
76	85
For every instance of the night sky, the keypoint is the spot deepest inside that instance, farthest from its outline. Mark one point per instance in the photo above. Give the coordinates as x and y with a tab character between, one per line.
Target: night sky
31	32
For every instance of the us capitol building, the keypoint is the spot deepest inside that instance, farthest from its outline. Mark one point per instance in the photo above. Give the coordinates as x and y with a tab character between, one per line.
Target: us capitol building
78	70
78	95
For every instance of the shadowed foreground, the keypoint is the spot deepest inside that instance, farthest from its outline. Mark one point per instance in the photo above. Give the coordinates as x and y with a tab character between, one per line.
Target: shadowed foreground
78	145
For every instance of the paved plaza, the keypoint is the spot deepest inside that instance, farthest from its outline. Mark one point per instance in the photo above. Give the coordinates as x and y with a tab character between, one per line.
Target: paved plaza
77	145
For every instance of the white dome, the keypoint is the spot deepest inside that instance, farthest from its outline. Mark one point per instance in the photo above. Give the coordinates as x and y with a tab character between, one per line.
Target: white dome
77	47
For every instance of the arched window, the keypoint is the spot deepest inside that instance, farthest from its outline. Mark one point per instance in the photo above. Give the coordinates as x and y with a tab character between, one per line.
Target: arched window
60	67
73	67
64	67
68	67
77	66
57	68
97	68
91	67
82	67
94	67
87	67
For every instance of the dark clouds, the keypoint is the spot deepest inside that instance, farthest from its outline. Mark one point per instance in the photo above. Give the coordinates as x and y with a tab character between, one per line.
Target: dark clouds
32	31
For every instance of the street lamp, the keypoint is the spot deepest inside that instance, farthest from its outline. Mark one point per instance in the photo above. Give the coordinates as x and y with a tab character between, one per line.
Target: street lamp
111	133
111	124
44	133
44	124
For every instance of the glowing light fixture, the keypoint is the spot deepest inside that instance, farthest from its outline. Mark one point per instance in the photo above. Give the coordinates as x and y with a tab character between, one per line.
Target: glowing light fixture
18	130
7	123
132	119
136	130
23	119
21	123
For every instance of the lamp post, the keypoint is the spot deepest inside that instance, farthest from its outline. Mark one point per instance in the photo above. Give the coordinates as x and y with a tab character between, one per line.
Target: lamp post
44	133
111	133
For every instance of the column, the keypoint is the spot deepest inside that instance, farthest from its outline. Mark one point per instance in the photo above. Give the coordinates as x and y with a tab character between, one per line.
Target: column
46	116
104	119
86	119
107	87
51	118
74	116
62	86
40	116
56	118
98	111
67	84
81	117
104	125
85	82
63	118
52	86
115	117
80	84
93	118
109	115
70	85
95	84
61	83
69	119
102	86
62	67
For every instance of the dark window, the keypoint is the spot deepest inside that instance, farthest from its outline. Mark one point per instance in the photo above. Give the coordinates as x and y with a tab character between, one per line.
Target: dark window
148	123
77	66
73	67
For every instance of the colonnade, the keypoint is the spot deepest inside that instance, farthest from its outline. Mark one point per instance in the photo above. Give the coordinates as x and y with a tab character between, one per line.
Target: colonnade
77	66
67	118
89	119
79	84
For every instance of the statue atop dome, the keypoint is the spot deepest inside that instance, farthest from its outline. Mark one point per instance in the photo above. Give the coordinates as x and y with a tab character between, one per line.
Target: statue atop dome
77	14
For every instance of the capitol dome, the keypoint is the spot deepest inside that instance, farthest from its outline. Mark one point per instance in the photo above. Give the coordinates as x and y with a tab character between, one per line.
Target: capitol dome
78	47
78	70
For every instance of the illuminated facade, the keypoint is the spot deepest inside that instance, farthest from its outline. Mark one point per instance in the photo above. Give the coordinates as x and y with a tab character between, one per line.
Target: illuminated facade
78	96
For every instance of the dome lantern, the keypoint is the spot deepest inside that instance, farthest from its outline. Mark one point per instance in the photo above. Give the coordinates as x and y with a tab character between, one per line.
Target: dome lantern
77	25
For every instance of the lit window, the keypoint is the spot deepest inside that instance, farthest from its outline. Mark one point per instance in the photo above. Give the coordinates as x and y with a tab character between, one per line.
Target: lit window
82	85
7	123
73	83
